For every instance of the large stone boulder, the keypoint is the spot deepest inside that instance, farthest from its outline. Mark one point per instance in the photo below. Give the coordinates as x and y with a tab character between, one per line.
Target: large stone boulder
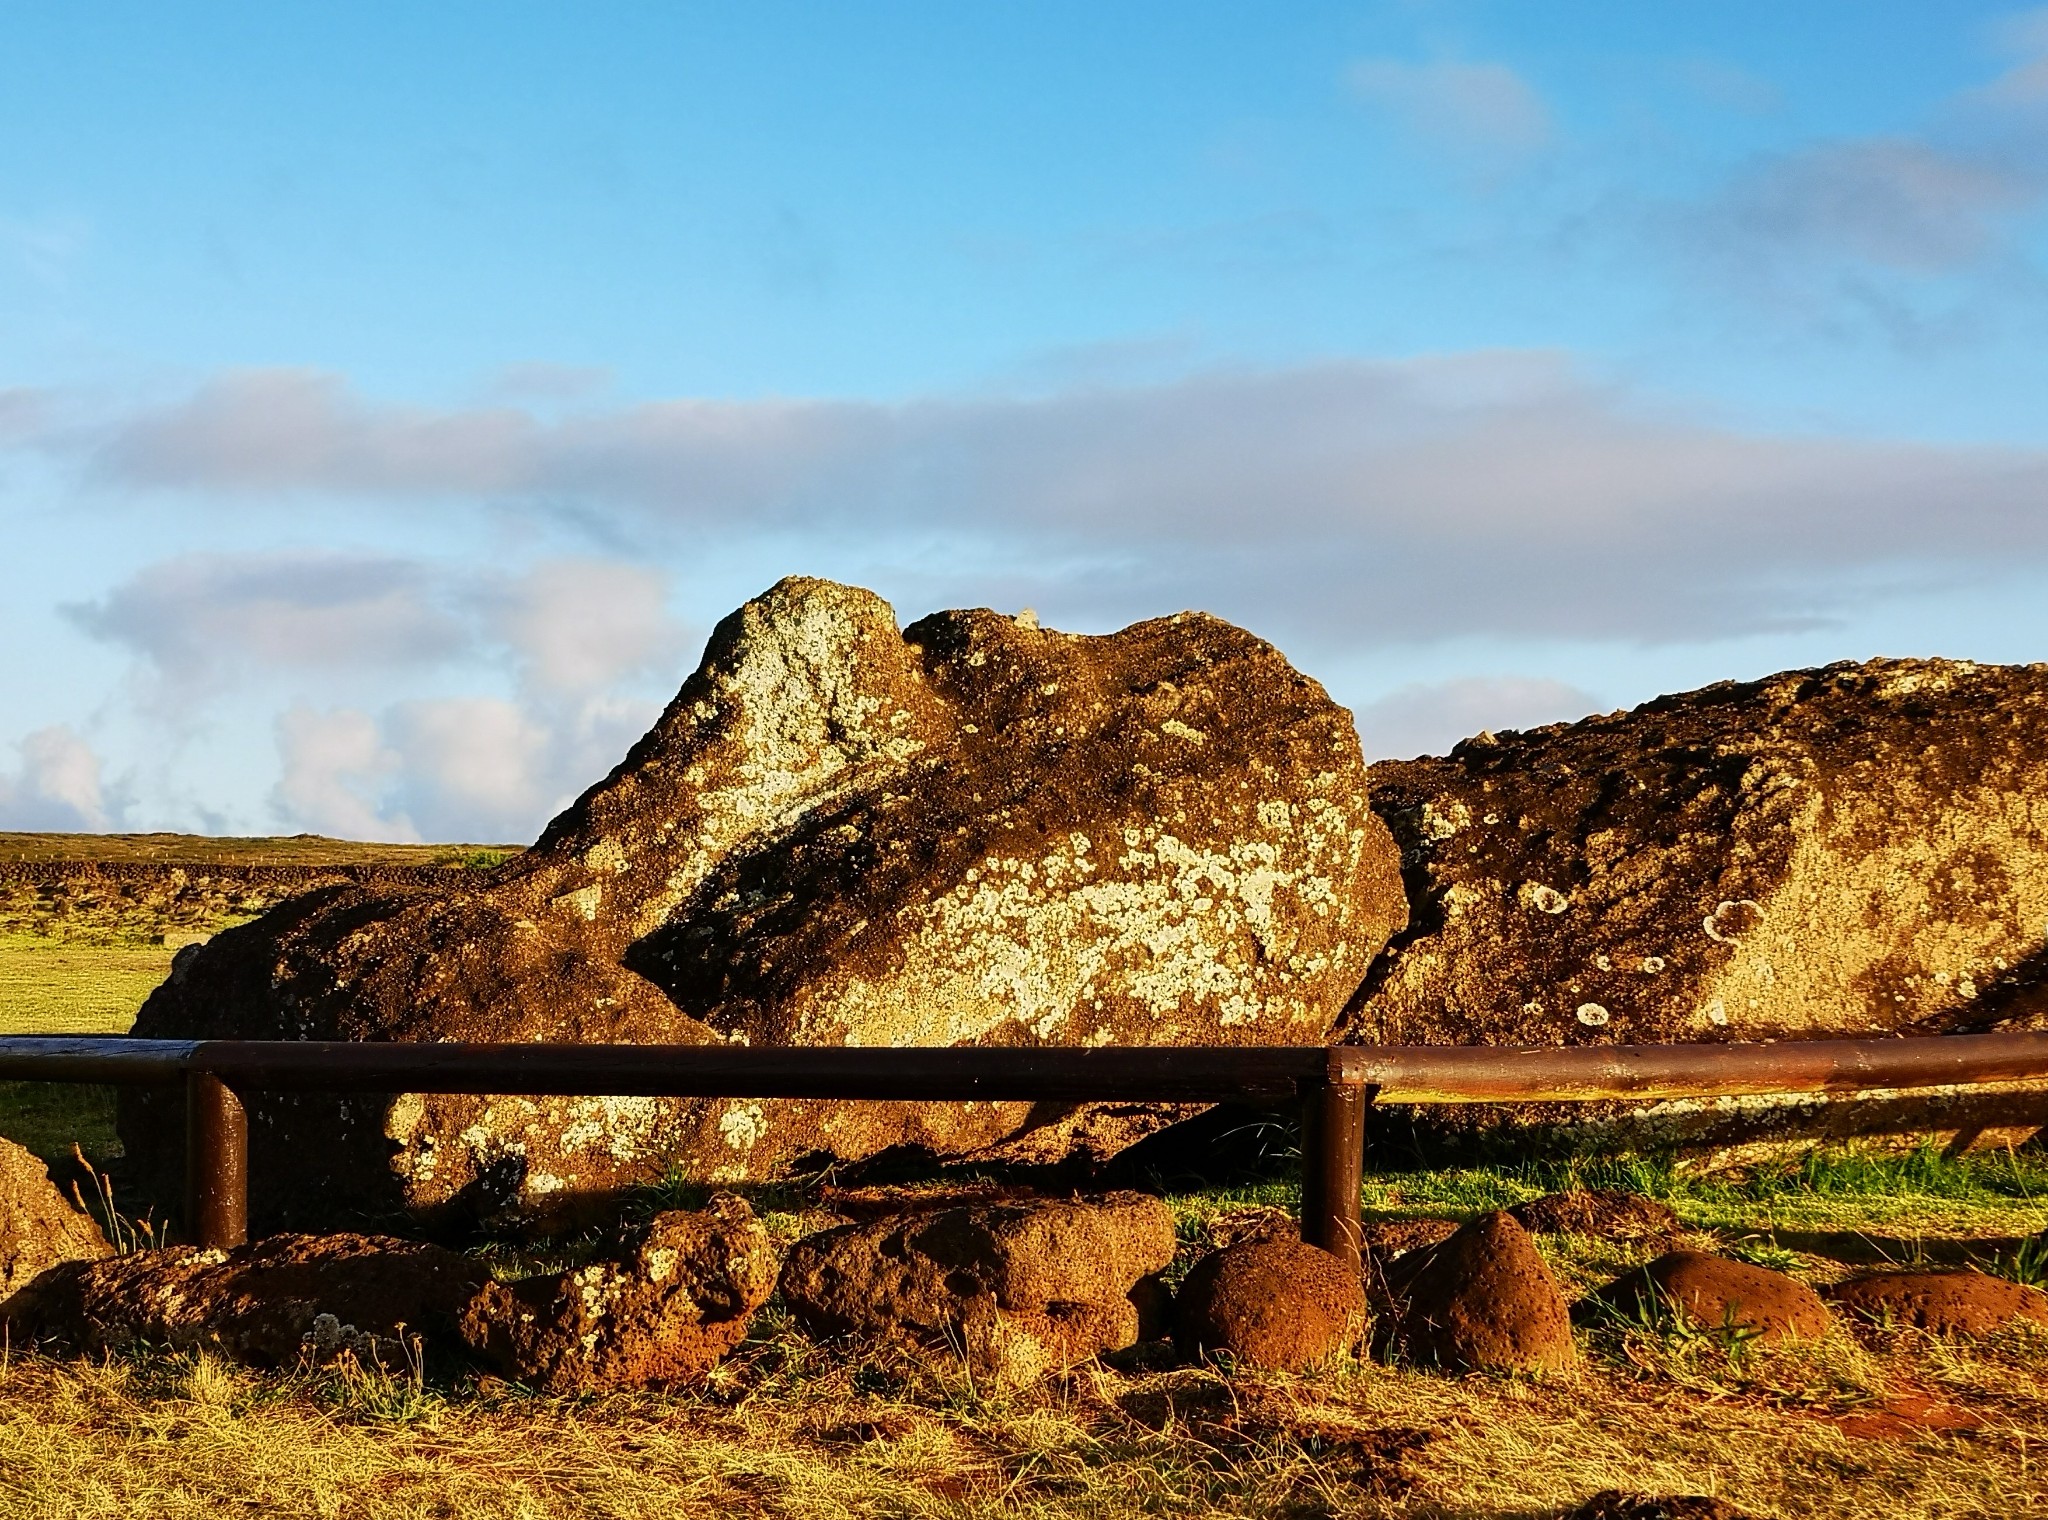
658	1311
269	1303
970	831
38	1227
1713	1293
1018	1287
1948	1303
1848	851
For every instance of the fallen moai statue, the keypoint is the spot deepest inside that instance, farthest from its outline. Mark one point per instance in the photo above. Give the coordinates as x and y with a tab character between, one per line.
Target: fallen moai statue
1857	850
970	831
38	1226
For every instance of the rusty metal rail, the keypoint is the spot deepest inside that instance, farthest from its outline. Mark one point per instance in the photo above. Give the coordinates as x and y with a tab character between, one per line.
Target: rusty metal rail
1335	1084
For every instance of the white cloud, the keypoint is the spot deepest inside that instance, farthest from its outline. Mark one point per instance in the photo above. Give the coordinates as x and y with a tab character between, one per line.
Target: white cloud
57	786
336	776
1483	107
194	616
581	626
1427	719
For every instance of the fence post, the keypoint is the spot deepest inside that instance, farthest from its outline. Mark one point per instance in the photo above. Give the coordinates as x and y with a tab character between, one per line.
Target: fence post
1333	1163
216	1162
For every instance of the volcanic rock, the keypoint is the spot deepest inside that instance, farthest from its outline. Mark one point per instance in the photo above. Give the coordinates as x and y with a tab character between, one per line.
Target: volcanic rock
1850	850
1714	1293
1019	1287
660	1311
269	1303
1604	1212
1965	1303
1276	1304
1481	1300
971	831
38	1228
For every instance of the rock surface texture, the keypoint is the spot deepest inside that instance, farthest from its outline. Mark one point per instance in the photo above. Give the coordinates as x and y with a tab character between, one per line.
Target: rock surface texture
1715	1293
969	831
1959	1303
1858	849
1275	1304
38	1226
660	1312
1018	1287
1480	1300
268	1303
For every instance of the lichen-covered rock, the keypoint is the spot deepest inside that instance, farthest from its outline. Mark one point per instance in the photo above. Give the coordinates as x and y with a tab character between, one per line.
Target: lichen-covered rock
661	1311
971	831
1948	1303
1480	1300
1714	1293
1852	850
1274	1304
269	1303
38	1227
1020	1287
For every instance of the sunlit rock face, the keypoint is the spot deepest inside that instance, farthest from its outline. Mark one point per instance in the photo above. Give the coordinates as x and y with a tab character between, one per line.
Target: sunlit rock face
1856	850
970	831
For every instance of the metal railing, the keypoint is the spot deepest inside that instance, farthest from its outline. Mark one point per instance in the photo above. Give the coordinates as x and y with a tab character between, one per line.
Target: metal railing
1335	1084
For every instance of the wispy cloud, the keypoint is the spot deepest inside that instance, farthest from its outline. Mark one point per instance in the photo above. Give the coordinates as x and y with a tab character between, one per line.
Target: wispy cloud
56	786
1485	108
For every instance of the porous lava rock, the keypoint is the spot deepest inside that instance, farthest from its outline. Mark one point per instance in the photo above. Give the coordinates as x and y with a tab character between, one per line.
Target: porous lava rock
1616	1504
1604	1212
1715	1293
1842	851
267	1303
1275	1304
659	1311
1481	1300
970	831
1959	1302
38	1227
1019	1287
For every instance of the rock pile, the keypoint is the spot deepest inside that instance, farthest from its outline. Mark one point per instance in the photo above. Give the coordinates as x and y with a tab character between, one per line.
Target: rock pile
38	1228
972	830
659	1311
1826	852
1958	1303
269	1302
1482	1299
1017	1287
1713	1293
1274	1303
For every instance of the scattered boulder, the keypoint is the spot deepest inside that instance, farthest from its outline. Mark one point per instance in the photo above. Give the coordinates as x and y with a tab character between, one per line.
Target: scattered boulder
659	1311
1831	852
1604	1212
1275	1304
1481	1300
1713	1292
970	831
1962	1302
1614	1504
38	1227
268	1303
1020	1287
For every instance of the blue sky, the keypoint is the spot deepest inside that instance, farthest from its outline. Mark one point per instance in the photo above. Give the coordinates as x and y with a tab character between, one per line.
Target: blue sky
392	397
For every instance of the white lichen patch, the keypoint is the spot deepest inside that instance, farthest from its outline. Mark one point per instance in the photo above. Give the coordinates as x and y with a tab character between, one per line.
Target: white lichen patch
1539	897
1592	1015
743	1127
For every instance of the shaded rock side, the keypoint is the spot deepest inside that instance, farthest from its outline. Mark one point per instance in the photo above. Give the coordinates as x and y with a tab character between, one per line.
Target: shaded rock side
1019	1287
267	1303
1276	1304
1851	850
971	831
1960	1303
1483	1299
1714	1293
659	1312
38	1225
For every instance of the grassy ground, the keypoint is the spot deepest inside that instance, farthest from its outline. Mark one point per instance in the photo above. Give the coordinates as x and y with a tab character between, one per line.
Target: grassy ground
1891	1424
